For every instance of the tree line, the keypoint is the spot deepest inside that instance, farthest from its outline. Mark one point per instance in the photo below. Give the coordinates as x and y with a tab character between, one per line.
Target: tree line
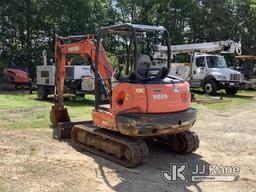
29	26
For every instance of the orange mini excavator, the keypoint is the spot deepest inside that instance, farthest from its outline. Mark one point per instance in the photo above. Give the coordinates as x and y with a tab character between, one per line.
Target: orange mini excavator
138	101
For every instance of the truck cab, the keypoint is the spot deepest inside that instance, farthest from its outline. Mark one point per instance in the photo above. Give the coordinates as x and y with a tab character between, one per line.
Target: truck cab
212	74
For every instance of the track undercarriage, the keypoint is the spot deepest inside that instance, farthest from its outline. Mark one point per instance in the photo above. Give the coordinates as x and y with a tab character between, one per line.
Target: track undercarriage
123	150
126	151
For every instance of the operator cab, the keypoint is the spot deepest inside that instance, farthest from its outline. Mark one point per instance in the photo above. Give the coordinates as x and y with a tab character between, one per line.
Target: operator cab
135	69
132	55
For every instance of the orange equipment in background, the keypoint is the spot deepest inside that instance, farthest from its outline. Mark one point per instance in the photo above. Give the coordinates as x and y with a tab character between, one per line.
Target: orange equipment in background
13	78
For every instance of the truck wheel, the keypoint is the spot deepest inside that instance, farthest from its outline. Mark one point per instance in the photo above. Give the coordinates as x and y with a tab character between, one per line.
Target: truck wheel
11	87
231	90
30	88
210	87
42	93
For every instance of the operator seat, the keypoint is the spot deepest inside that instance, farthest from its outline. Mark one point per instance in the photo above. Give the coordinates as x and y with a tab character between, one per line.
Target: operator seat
144	62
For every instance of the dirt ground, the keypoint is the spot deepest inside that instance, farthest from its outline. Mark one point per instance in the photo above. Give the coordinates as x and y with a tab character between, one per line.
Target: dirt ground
30	160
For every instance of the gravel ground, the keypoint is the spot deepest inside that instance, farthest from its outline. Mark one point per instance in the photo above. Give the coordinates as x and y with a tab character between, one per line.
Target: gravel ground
30	160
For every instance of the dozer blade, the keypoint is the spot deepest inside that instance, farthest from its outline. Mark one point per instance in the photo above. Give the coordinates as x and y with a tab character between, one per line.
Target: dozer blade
59	115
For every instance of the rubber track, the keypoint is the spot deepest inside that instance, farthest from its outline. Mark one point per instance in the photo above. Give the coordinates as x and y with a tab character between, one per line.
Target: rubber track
137	146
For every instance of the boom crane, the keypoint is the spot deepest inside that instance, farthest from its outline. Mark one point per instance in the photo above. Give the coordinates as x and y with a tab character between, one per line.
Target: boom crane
227	46
205	69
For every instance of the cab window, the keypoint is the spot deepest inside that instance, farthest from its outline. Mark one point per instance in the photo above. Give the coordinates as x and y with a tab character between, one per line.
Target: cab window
200	62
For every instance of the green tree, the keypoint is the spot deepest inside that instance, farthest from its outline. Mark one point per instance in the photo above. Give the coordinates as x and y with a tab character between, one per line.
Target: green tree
29	26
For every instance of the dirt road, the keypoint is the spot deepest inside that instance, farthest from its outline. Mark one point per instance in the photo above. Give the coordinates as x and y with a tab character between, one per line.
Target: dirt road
31	161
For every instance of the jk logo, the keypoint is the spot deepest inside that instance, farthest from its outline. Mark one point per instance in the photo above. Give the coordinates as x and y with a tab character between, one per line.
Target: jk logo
176	172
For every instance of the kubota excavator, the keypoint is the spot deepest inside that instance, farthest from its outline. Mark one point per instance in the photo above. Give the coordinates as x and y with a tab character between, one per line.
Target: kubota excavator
133	103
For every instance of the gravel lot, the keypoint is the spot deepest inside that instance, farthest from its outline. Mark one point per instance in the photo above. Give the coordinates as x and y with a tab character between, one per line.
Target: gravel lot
32	161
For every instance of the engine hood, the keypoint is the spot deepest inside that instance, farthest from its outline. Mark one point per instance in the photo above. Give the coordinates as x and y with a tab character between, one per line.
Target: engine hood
229	74
223	71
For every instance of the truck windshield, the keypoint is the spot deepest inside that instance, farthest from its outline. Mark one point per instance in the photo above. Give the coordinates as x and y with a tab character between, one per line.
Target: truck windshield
216	62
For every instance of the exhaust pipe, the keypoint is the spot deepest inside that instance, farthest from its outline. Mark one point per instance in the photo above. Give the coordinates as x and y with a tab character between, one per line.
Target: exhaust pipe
44	57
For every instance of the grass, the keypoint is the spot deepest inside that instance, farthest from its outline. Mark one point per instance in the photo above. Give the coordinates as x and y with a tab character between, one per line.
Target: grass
22	110
241	99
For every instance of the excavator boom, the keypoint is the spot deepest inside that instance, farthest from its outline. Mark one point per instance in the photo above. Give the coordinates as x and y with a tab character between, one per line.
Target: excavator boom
85	48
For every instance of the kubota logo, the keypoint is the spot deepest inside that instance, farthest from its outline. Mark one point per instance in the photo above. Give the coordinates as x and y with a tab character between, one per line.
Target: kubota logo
73	49
160	96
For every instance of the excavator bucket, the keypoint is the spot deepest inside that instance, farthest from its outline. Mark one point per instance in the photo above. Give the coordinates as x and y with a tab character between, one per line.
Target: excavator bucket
62	126
59	115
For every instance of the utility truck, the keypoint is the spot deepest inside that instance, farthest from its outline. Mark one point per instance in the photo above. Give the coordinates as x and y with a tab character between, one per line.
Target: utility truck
205	70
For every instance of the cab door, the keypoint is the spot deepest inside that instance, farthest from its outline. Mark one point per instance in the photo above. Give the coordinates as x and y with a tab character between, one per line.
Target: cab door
199	68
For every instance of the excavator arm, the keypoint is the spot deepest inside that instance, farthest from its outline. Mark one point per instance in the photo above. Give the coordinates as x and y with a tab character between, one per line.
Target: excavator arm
85	48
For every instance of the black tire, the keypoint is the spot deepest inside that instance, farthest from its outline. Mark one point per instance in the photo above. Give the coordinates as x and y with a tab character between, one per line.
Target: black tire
42	93
210	87
30	88
15	87
11	87
231	90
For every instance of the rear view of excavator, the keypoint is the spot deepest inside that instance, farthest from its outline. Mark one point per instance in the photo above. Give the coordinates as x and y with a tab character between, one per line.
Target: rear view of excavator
134	102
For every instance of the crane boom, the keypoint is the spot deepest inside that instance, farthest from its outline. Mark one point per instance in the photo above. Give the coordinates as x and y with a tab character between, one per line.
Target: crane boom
228	46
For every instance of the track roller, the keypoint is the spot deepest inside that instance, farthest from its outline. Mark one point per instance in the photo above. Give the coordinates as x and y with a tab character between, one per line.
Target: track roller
128	152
